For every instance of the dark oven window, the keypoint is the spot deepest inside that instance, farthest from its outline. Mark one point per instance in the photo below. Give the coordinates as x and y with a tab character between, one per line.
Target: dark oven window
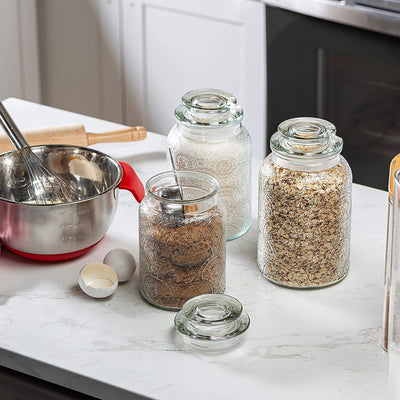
346	75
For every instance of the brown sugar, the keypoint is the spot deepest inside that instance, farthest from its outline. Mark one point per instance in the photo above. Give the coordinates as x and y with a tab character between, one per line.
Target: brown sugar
181	256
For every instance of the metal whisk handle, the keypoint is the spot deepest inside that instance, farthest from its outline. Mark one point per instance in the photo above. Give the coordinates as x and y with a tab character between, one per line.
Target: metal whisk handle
11	129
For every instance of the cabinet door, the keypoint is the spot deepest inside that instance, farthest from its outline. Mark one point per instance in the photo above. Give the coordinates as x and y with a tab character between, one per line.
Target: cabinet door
172	46
19	66
80	56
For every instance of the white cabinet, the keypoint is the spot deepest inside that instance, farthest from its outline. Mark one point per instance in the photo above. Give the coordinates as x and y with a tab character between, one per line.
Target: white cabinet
131	60
80	56
172	46
19	66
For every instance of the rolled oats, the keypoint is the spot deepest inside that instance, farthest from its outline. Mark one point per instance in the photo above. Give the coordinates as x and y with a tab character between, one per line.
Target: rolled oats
304	222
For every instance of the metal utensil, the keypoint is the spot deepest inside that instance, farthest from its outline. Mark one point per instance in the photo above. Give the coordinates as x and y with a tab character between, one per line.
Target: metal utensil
175	175
45	186
177	209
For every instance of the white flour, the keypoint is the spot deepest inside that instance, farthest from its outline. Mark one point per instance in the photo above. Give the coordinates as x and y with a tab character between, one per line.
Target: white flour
229	162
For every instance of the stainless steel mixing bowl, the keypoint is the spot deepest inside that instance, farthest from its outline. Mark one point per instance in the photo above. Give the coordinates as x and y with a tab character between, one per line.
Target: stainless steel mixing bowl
54	232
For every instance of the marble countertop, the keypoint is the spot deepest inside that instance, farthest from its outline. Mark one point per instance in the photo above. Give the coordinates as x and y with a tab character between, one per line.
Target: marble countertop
310	344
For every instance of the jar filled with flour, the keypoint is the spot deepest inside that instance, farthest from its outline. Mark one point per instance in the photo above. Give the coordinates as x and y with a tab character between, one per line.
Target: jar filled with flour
209	137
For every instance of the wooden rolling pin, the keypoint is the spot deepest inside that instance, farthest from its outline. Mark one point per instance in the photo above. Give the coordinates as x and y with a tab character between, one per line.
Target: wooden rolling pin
75	135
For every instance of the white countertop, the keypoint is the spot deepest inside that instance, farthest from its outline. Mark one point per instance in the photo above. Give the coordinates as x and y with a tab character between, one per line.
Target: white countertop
312	344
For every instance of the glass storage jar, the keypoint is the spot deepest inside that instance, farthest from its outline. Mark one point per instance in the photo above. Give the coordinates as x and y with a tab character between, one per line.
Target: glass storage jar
393	265
208	137
391	244
181	238
304	206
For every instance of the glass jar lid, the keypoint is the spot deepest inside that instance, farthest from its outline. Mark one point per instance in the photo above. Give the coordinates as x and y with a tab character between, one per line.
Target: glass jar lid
208	107
306	137
212	322
195	187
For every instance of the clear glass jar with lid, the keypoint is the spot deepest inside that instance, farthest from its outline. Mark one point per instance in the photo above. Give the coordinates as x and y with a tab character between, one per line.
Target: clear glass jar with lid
304	211
208	137
182	243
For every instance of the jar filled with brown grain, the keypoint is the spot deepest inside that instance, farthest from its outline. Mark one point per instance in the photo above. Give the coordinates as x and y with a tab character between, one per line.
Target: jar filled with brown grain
181	238
304	210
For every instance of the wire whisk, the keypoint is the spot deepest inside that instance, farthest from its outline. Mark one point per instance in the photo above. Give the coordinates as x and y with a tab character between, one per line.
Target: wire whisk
48	187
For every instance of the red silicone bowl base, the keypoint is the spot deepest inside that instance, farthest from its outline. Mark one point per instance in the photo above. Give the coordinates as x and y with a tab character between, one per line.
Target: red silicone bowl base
52	257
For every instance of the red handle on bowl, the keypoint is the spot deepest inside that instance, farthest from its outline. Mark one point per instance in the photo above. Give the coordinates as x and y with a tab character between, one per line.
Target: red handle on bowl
131	182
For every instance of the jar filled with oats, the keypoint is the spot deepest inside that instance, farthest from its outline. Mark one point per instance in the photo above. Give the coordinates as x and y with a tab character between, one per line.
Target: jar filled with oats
181	238
208	137
304	206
